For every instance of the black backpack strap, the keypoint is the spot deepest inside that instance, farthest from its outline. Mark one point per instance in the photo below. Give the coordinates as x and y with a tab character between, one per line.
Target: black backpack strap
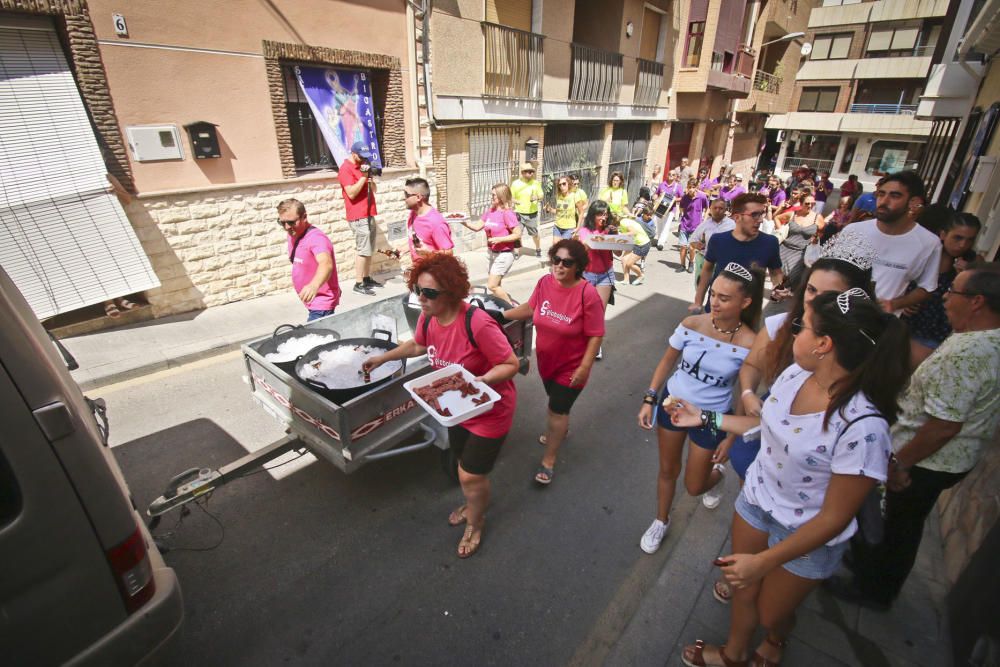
468	326
854	421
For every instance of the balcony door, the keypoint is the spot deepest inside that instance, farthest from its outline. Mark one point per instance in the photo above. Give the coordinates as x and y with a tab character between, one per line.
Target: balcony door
629	145
572	149
492	160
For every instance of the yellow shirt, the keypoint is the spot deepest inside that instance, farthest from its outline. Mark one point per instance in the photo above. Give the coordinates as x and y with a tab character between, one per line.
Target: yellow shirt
566	211
632	226
522	191
617	199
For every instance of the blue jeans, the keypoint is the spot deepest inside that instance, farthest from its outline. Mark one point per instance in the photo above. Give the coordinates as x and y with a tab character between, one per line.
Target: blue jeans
316	314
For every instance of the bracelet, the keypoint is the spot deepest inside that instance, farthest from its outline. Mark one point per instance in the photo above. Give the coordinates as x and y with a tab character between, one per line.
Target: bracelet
651	393
648	400
745	392
718	420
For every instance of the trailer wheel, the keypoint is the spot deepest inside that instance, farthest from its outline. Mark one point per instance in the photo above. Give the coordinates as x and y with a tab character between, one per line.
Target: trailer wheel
449	463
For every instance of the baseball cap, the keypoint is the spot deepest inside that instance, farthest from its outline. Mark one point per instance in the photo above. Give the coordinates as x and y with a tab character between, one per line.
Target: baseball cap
361	148
739	177
527	166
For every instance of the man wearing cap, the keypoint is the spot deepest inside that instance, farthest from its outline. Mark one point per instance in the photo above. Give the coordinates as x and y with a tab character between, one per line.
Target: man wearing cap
359	203
734	189
527	193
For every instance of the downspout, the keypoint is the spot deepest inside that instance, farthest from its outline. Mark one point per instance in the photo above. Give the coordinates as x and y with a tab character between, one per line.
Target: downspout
428	97
415	112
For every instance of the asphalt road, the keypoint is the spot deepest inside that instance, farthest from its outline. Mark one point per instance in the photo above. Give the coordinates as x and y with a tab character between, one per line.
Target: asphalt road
319	567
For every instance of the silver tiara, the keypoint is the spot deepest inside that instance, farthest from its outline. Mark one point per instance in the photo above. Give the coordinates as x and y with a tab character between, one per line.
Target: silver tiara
739	270
844	299
854	249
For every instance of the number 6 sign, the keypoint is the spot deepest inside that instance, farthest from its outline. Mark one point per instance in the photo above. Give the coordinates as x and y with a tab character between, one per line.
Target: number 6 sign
120	28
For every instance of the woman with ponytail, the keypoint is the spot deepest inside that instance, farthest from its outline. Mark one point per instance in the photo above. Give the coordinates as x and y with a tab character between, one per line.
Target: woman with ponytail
710	349
824	446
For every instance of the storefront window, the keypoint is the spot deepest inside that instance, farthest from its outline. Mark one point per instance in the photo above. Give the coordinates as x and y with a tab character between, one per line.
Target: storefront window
816	150
887	157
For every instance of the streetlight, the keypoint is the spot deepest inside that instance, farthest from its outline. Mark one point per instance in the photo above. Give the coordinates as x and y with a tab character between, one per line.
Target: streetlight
787	38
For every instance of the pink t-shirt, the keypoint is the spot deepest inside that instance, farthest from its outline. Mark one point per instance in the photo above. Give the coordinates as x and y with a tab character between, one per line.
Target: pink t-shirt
304	266
432	230
500	222
450	345
601	261
565	318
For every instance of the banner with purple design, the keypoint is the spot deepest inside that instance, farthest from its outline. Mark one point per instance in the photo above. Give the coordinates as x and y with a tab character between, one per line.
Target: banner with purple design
341	102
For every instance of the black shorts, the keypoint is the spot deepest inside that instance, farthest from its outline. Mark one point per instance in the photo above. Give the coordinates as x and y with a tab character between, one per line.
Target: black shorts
475	453
561	397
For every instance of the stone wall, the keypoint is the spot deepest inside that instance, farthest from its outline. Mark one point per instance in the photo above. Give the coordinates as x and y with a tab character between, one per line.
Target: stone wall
217	246
969	511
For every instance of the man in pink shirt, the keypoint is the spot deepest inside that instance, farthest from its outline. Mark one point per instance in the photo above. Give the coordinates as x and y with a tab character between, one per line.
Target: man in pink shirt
427	230
314	267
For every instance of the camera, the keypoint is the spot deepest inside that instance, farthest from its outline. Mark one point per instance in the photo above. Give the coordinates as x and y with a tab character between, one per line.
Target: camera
367	168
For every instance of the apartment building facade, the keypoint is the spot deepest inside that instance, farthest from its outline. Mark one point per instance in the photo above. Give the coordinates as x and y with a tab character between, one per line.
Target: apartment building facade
126	89
857	89
569	85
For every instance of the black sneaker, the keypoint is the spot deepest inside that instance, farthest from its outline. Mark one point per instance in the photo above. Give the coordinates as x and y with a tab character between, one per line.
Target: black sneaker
370	282
361	288
538	253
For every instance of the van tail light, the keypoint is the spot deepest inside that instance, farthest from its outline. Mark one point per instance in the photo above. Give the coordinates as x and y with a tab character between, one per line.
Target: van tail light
132	571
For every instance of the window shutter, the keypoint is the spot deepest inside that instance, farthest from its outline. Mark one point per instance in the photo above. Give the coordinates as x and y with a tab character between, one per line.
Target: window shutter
650	34
841	46
511	13
905	38
64	239
880	40
821	48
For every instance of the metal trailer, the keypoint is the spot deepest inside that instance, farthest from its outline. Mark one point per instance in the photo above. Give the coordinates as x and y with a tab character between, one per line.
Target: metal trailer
378	424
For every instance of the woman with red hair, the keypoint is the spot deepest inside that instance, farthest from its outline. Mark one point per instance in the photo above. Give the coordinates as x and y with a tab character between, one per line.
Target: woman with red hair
441	283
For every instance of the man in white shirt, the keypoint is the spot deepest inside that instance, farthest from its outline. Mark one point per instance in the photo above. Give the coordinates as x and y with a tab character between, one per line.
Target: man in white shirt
905	252
716	221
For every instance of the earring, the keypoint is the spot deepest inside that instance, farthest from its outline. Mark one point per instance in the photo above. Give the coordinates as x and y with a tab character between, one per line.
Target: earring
819	356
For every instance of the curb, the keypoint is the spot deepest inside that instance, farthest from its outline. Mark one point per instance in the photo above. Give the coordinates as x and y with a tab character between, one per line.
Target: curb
100	381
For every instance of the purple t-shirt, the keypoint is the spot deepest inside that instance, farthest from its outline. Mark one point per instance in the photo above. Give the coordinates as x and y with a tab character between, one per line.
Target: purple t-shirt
708	184
693	208
304	267
823	188
778	197
431	229
731	194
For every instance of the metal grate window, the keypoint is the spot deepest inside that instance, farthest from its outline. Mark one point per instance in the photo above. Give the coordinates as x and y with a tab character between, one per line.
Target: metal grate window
492	160
572	149
308	146
629	145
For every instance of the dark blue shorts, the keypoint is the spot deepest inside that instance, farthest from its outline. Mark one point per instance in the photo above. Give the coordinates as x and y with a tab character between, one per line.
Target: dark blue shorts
704	437
742	454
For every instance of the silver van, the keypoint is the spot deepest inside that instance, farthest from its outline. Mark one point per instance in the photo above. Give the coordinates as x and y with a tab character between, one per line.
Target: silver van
81	581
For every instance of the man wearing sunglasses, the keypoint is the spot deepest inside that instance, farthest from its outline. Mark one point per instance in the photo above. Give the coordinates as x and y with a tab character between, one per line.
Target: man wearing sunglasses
948	415
744	245
314	267
527	193
428	231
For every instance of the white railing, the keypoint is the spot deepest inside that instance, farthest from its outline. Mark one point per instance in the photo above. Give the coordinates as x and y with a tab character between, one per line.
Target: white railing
766	83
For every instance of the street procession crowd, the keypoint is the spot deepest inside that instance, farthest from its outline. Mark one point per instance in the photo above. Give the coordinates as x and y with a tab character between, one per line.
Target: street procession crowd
844	417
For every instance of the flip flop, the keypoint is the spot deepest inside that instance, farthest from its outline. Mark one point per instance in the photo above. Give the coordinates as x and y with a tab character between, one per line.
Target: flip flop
722	591
544	476
470	545
457	517
111	310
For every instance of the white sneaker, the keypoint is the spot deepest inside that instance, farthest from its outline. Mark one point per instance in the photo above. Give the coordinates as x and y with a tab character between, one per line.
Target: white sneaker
653	536
713	496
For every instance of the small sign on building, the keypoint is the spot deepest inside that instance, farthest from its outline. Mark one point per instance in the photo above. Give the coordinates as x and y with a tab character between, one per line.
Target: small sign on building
121	29
395	231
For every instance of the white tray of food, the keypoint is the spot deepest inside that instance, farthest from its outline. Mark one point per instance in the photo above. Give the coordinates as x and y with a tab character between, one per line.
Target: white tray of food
451	395
456	216
611	241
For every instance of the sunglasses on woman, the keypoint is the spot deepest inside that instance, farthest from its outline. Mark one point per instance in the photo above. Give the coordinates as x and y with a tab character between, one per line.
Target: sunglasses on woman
797	326
568	262
428	292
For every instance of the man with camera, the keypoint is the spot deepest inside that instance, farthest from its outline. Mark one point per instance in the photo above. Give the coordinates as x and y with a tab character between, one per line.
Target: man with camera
359	204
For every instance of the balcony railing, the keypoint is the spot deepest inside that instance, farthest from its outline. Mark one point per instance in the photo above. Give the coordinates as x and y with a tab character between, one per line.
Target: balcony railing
648	83
915	52
767	83
883	108
790	164
596	75
513	63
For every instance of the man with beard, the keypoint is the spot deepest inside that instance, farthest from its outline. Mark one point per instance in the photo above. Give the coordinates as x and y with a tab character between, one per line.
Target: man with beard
904	251
744	245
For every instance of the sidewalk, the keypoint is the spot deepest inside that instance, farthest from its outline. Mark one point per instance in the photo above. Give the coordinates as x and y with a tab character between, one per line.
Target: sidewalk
133	350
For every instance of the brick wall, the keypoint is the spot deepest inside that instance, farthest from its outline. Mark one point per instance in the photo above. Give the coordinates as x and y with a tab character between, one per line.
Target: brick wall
215	247
73	19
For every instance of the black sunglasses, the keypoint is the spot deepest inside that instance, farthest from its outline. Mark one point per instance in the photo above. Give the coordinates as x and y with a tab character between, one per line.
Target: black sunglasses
287	223
568	262
798	325
428	292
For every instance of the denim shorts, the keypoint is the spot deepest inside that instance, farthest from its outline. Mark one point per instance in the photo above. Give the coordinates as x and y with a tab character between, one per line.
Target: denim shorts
560	233
606	279
641	250
683	238
820	563
702	436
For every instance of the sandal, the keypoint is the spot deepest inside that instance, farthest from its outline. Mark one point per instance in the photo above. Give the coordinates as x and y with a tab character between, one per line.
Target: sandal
760	661
544	476
457	517
697	660
468	546
125	304
111	310
722	591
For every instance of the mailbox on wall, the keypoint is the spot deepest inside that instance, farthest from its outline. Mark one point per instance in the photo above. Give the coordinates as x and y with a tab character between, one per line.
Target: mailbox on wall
204	139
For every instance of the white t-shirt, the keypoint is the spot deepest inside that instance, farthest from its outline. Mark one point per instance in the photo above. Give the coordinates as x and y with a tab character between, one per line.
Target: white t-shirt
900	259
704	231
773	323
790	475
